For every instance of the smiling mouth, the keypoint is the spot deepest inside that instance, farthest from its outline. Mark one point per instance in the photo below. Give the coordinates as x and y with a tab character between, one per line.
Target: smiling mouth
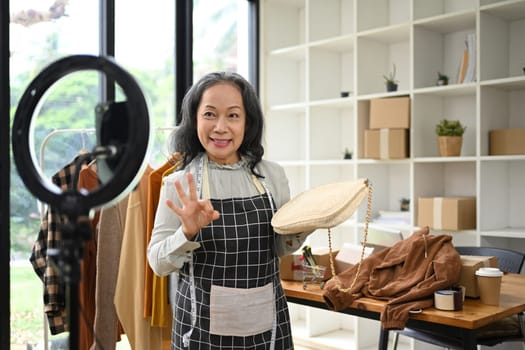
220	142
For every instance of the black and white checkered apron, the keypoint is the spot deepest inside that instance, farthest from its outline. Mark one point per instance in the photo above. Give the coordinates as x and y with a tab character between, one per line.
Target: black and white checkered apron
236	251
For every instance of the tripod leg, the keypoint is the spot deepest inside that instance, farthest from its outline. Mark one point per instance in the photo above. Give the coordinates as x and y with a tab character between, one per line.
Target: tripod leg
73	315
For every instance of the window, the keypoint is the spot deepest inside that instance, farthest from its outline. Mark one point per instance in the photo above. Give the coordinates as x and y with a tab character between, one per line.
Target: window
145	46
220	36
43	31
40	33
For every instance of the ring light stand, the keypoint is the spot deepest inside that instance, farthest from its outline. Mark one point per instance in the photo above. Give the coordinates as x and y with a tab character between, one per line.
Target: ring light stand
123	140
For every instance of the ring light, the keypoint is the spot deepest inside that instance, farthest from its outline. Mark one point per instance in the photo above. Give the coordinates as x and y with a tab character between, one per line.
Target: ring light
130	158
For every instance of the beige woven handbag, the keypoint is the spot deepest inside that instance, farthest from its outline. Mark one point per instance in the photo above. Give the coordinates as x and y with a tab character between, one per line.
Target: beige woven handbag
325	206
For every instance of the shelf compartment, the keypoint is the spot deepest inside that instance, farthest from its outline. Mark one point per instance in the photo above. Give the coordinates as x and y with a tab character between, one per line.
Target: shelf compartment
330	18
502	49
381	13
502	193
432	8
279	127
331	132
377	52
363	124
390	183
439	47
428	108
285	72
284	23
444	179
501	108
332	70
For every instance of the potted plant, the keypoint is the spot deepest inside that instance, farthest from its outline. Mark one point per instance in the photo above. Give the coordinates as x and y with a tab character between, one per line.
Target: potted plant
404	204
390	79
347	154
442	79
450	137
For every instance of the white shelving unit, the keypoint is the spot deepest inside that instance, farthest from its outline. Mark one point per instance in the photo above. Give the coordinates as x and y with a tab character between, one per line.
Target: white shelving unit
313	50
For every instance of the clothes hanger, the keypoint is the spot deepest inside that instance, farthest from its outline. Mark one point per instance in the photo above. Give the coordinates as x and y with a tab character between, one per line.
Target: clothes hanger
83	149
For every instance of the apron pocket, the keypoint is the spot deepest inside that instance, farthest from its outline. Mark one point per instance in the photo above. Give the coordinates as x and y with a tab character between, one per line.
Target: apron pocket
241	312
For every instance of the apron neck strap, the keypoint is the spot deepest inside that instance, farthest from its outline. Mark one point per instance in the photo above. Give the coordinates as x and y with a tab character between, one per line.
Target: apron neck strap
203	183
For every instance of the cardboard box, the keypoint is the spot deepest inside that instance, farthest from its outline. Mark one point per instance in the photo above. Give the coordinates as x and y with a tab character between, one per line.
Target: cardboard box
507	141
447	213
349	255
469	265
390	113
291	265
386	143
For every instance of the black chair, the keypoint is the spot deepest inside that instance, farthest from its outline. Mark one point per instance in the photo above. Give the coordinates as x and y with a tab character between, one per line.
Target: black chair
509	329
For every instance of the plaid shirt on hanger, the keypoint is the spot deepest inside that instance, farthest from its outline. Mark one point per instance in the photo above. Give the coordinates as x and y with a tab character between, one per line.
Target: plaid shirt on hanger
49	237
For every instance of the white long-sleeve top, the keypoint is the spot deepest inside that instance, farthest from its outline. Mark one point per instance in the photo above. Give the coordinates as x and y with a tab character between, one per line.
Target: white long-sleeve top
169	248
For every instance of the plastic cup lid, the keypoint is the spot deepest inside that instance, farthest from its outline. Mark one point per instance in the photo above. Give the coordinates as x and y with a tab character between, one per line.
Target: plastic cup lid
489	272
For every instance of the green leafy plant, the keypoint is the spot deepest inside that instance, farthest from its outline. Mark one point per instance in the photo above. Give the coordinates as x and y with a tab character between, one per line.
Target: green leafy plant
450	128
391	77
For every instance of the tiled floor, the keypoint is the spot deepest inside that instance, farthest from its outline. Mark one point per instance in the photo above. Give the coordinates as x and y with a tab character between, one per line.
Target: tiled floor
300	347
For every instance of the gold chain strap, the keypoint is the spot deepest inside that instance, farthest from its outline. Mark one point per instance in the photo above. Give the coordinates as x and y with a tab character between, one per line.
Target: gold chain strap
332	266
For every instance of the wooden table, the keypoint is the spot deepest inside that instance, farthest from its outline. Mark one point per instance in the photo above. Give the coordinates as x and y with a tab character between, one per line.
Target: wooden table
461	323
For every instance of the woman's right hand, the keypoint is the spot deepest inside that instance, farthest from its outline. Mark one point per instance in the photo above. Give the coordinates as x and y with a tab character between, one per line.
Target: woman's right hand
194	213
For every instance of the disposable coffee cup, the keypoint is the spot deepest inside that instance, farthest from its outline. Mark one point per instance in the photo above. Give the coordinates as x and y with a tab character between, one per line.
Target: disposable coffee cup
489	284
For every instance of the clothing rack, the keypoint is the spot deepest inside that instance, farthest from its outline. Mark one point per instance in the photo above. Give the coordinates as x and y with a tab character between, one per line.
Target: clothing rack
41	159
41	205
81	132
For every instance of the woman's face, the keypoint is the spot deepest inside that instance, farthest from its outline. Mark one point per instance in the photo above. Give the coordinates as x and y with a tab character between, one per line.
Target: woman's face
221	120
